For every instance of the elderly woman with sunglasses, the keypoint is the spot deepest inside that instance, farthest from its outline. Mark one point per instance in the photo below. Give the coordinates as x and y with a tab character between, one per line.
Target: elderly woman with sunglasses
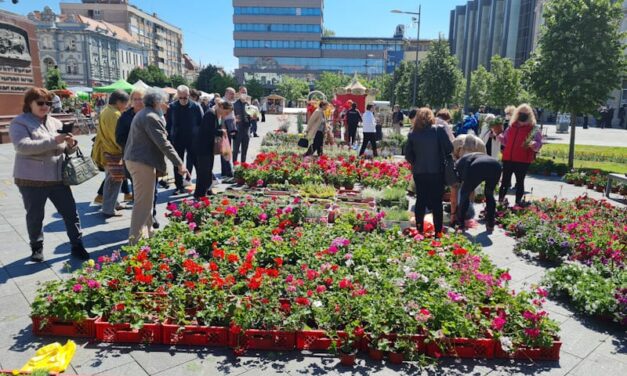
39	149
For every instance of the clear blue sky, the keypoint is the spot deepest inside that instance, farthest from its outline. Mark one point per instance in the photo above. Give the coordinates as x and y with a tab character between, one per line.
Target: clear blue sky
208	24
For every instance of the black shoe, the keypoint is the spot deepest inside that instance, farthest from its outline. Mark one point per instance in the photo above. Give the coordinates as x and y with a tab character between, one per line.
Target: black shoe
38	254
255	135
179	192
164	184
155	223
79	252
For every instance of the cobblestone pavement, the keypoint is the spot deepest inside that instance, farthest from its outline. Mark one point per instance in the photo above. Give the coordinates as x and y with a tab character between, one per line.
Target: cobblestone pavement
589	347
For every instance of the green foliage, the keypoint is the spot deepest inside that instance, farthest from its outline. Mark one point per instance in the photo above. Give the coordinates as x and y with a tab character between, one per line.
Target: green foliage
293	88
329	81
211	79
404	84
54	80
327	32
255	88
505	86
480	87
439	75
177	79
151	75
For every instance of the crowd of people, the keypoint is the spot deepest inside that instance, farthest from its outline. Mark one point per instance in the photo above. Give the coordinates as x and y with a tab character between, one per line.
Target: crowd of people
136	133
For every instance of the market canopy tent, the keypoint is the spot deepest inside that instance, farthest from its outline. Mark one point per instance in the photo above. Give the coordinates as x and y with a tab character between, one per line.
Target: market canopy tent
141	85
275	104
84	89
117	85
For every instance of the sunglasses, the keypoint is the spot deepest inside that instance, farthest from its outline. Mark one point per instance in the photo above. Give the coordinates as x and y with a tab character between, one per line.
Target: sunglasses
42	103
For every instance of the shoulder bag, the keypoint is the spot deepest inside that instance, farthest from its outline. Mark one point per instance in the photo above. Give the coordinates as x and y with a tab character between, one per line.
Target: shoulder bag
78	168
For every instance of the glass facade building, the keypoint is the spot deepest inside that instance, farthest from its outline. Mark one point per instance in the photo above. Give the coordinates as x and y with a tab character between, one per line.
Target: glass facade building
274	38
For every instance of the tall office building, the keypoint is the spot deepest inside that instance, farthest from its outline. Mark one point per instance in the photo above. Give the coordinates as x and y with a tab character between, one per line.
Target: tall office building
484	28
274	38
163	41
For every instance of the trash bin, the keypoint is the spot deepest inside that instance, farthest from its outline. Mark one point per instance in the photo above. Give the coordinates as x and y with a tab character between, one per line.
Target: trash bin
563	122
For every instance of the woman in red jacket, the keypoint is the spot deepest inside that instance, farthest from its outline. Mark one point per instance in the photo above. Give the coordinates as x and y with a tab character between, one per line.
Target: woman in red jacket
522	140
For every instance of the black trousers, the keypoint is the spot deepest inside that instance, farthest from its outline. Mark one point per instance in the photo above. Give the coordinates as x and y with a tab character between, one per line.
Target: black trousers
429	191
190	161
369	138
253	127
263	116
352	134
204	174
519	170
35	203
240	143
488	172
317	144
181	149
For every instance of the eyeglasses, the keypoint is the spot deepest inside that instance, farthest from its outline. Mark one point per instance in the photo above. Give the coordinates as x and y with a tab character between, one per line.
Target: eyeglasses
44	103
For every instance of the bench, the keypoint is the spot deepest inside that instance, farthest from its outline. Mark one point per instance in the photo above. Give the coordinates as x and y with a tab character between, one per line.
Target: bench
618	177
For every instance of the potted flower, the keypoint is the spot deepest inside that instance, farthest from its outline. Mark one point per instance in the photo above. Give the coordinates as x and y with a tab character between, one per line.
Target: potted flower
402	347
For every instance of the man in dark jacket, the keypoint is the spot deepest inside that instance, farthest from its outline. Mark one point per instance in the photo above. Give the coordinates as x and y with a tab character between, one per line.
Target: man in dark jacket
183	120
353	118
242	121
203	146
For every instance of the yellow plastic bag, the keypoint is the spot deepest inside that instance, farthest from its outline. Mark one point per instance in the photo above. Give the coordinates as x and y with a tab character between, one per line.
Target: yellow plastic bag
53	357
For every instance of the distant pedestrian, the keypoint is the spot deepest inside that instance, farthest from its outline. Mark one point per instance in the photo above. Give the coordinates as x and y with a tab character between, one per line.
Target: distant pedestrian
397	119
231	129
254	120
353	118
146	147
369	124
316	128
621	116
243	123
522	141
183	118
264	109
56	104
108	153
39	153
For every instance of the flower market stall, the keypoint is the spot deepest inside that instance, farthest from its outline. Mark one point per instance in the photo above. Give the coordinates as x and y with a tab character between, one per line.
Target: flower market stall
276	104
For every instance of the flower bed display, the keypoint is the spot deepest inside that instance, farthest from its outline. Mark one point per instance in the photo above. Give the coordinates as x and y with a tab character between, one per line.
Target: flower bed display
50	326
256	271
278	168
590	238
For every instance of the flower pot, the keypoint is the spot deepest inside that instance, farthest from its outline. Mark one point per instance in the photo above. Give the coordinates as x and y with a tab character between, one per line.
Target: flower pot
316	340
348	359
530	353
375	354
615	189
396	358
600	188
590	185
55	327
240	181
469	348
578	183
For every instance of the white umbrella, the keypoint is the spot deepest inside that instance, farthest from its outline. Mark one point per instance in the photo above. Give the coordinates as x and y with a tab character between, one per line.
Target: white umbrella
141	85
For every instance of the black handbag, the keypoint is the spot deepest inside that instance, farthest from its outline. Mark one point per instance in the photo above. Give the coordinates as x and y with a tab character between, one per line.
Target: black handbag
448	164
78	168
303	143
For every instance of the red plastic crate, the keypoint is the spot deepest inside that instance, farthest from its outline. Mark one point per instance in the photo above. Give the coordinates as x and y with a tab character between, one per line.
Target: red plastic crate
254	339
462	348
213	336
60	328
419	340
316	340
122	333
527	353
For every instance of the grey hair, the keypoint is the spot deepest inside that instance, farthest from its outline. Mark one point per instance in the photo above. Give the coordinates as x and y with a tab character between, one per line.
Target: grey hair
153	98
182	89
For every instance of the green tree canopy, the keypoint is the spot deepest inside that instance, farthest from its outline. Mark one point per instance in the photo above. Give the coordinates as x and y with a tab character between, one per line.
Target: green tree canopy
293	88
212	79
177	79
439	75
580	57
329	81
151	75
53	79
403	82
505	86
480	83
255	88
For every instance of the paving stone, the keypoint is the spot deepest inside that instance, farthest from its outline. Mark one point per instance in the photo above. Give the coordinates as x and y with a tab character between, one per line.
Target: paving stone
579	340
130	369
213	362
155	359
614	347
514	367
92	358
599	364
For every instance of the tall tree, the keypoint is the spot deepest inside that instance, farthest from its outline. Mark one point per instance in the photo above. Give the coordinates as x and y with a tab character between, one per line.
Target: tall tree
384	85
203	82
293	88
329	81
255	88
439	75
505	86
480	87
139	74
404	84
54	80
220	82
580	57
151	75
177	79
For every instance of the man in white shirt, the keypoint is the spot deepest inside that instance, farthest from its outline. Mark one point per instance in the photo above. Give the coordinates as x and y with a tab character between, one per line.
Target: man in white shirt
369	123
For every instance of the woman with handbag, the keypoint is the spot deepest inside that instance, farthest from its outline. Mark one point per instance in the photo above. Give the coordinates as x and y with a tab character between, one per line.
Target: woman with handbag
316	127
146	147
210	133
39	149
427	147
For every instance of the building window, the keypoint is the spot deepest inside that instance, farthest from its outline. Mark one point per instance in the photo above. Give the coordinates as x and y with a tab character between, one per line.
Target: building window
71	67
49	63
70	44
276	11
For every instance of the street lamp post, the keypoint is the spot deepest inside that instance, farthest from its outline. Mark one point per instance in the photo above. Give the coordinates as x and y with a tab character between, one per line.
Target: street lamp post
417	19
